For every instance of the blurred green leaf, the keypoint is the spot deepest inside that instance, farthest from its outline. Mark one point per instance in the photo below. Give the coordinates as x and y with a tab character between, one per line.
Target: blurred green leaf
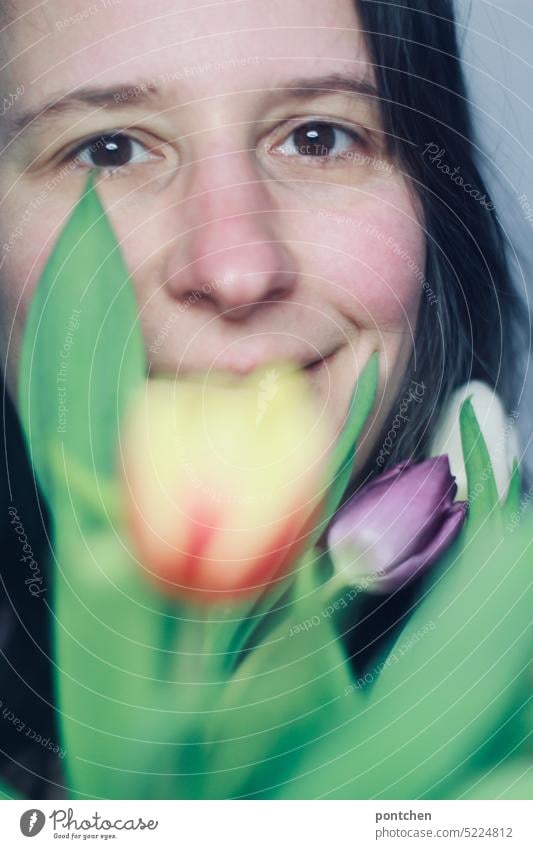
448	684
513	780
280	701
483	496
513	500
7	792
83	351
361	404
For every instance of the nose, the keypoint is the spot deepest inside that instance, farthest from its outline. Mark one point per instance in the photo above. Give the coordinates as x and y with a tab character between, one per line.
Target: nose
230	252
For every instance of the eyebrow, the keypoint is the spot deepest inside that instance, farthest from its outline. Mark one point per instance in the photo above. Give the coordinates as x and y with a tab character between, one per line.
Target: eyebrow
146	93
340	83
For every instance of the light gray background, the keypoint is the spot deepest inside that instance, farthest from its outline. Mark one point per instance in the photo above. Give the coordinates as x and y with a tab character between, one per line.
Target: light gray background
497	50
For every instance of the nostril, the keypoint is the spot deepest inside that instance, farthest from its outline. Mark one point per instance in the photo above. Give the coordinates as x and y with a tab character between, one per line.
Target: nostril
237	313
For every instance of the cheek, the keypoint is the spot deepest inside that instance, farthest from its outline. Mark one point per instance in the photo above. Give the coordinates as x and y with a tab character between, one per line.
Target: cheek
391	263
373	255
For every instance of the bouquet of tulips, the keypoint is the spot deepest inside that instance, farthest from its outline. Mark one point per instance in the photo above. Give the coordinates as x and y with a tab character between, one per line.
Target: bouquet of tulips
204	574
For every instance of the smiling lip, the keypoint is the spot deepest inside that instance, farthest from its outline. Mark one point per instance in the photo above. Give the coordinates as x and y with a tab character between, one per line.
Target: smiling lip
243	367
315	368
321	361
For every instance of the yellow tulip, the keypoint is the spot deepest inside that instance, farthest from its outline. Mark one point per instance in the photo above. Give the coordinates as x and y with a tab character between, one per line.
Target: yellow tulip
224	479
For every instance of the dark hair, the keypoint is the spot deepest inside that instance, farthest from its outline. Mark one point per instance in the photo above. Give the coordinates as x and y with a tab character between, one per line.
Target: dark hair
472	325
467	326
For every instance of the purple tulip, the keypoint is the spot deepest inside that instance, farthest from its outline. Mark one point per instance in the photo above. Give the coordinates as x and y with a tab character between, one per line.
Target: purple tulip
397	525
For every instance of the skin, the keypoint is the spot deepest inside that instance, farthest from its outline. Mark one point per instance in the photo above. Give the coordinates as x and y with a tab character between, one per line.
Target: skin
243	248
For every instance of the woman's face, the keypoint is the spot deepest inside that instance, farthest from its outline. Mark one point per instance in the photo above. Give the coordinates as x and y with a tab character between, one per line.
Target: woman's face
249	186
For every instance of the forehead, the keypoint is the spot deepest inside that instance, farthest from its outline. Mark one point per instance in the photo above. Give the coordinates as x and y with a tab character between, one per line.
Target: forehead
210	47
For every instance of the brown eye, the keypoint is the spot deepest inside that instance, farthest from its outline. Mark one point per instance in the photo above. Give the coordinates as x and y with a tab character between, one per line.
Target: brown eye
111	151
314	139
319	139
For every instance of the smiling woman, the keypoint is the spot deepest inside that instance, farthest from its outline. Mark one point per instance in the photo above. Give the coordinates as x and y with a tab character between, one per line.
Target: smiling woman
263	169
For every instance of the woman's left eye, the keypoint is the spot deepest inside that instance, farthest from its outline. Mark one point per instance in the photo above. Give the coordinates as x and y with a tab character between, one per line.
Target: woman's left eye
319	139
112	151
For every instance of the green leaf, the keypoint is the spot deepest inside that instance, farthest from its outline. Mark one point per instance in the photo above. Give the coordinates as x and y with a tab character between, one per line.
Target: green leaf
512	507
7	792
83	350
483	496
342	461
280	702
512	780
450	680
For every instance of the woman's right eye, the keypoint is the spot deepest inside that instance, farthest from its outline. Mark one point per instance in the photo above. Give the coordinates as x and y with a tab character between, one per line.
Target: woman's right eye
111	152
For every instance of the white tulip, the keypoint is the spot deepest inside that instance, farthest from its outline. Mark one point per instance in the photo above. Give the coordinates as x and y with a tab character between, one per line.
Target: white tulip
498	429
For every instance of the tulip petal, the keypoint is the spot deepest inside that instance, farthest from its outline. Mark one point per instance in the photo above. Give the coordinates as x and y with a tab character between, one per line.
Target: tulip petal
398	575
200	468
394	517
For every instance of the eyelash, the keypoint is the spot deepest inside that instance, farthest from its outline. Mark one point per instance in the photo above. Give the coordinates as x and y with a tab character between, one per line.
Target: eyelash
317	160
110	170
314	159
